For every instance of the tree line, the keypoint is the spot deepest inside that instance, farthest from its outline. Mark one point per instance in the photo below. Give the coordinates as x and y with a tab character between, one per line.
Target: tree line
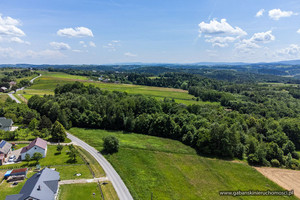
210	129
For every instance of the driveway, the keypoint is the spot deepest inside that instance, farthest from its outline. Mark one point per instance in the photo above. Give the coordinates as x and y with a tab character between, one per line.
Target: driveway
17	153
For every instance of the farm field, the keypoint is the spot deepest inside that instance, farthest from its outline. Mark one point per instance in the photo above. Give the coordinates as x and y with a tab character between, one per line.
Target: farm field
48	82
172	170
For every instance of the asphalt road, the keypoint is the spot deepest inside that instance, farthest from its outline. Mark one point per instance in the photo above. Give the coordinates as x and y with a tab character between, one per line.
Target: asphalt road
112	175
11	93
13	97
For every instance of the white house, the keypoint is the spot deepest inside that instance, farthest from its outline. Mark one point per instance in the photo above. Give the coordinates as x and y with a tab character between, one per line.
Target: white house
37	145
6	124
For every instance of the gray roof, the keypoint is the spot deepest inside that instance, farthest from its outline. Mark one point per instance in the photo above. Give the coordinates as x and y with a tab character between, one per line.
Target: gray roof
42	185
5	147
5	122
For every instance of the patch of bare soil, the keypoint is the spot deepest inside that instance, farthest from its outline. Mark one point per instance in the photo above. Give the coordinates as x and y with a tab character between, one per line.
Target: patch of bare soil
288	179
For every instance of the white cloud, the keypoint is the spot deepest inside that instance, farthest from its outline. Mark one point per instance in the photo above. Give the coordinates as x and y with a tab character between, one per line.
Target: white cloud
220	41
77	50
9	27
15	54
246	45
18	40
216	28
260	13
262	37
83	44
60	46
92	44
128	54
44	54
298	31
113	45
292	51
77	32
276	14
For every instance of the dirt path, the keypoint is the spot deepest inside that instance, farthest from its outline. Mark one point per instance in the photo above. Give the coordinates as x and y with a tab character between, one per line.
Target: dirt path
288	179
82	181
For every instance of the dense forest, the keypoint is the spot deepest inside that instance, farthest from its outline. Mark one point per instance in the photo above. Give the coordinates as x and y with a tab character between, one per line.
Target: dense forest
210	129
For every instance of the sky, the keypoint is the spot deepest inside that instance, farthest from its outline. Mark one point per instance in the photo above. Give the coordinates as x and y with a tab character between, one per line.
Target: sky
148	31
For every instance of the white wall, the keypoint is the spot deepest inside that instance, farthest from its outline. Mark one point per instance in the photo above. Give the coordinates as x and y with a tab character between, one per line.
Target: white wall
33	150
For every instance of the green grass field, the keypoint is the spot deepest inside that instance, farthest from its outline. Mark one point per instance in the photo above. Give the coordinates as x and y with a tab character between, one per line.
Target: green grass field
49	80
172	170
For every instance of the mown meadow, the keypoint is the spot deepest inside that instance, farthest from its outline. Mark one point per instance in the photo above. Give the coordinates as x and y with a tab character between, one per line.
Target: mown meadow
171	170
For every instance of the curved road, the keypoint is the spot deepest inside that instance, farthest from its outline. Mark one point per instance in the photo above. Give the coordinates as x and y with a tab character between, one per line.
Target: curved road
112	175
11	93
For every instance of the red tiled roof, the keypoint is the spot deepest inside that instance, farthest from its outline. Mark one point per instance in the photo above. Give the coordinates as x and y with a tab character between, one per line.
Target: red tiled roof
37	142
19	170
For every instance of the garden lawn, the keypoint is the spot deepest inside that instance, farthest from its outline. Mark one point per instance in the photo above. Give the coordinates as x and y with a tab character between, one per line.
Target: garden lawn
85	192
8	189
79	191
68	172
154	165
52	158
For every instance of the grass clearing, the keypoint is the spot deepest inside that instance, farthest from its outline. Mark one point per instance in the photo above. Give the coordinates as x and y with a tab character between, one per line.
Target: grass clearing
172	170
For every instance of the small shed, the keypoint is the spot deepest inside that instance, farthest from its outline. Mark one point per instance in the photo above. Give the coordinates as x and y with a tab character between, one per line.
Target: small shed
19	172
3	89
7	174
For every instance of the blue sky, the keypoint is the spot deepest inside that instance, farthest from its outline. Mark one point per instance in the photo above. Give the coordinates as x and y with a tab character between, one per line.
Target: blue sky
152	31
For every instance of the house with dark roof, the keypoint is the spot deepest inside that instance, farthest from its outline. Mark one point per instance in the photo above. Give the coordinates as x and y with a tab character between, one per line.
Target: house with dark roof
5	124
37	145
5	148
41	186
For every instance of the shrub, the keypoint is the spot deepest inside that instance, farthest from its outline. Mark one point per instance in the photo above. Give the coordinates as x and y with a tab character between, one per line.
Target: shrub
275	163
110	144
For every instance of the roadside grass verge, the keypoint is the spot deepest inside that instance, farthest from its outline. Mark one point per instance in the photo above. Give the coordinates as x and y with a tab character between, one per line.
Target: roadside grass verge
94	165
175	173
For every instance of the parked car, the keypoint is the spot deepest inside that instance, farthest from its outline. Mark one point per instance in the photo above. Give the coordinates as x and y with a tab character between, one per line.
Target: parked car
11	158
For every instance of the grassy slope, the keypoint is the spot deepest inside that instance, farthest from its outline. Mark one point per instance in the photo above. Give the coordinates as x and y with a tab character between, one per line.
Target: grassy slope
172	170
50	80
